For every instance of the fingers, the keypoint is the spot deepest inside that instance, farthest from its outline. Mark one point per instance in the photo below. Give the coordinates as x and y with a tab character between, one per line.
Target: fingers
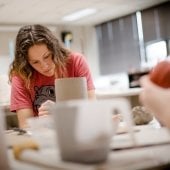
47	103
117	117
44	108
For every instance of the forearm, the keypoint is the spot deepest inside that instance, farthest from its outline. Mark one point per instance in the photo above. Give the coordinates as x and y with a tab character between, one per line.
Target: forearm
23	115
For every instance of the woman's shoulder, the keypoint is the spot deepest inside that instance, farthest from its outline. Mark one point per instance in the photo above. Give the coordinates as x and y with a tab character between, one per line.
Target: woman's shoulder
16	77
17	81
76	57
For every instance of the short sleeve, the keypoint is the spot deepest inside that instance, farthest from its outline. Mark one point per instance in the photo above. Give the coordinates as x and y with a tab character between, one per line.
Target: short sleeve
20	97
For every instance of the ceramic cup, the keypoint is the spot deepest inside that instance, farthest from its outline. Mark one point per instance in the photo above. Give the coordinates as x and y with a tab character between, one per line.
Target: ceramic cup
71	88
84	129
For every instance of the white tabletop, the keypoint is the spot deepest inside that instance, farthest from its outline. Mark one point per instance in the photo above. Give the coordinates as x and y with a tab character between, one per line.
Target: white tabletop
152	149
118	92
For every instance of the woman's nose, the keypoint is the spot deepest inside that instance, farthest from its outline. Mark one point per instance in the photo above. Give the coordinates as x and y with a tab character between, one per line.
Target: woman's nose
44	65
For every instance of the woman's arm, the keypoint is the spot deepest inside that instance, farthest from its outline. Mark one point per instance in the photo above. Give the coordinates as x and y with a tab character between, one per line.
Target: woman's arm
23	115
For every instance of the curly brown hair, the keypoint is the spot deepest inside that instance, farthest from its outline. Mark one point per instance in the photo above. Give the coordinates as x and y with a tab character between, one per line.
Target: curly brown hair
28	36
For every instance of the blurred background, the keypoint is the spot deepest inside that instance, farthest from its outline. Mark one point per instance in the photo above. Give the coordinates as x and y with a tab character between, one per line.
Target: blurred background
119	38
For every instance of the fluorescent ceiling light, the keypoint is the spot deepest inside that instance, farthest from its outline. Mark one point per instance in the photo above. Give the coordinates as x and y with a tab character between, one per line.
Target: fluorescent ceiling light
79	14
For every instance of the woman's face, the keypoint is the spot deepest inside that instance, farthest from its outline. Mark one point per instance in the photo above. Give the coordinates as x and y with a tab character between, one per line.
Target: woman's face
40	58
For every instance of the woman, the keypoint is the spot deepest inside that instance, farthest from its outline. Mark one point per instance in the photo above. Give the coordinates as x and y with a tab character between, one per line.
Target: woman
157	99
39	60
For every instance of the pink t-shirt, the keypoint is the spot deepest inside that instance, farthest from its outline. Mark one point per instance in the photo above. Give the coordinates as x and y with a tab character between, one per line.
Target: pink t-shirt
42	88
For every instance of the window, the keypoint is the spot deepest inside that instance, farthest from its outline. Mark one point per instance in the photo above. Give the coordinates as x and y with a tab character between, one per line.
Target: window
156	52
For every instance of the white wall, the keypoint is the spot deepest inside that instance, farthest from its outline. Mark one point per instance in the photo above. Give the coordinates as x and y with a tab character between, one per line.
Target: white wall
85	42
4	64
4	90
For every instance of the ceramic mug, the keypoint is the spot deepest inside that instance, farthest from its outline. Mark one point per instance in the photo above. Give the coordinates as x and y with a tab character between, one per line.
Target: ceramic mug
84	129
71	88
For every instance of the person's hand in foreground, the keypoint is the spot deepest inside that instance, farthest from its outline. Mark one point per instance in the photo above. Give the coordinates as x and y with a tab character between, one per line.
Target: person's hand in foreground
156	99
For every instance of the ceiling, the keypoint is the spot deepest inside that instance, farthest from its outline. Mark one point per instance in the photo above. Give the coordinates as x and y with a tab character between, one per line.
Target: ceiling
50	12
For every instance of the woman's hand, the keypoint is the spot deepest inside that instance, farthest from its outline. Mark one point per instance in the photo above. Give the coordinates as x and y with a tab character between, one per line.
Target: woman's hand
44	108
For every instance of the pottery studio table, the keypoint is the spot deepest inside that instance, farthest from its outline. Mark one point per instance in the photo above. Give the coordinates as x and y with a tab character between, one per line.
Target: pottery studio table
151	150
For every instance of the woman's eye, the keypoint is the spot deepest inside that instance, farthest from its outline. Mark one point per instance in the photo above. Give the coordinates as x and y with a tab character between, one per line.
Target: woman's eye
46	57
36	62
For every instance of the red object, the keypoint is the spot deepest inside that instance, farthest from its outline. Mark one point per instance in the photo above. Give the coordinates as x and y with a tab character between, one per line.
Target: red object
160	74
